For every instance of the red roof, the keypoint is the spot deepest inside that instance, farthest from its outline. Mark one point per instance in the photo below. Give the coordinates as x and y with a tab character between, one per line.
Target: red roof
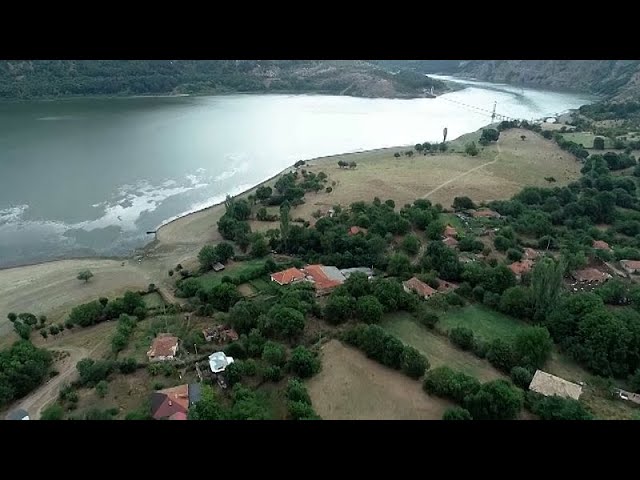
170	401
287	276
178	416
163	346
521	267
450	231
419	287
355	230
630	264
450	242
320	279
601	245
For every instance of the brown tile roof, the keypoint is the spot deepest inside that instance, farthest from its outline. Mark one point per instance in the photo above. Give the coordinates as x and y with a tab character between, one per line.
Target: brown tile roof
450	242
449	231
419	287
630	264
590	275
168	402
178	416
521	267
549	385
601	245
355	230
163	346
320	279
287	276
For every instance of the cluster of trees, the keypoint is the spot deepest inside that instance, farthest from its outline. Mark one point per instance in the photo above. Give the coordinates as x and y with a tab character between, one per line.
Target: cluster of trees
495	400
210	255
98	311
345	164
489	135
556	408
246	405
24	323
22	368
383	347
299	402
611	111
126	326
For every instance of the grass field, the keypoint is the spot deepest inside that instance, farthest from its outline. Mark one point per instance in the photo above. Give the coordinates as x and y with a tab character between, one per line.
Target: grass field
153	300
438	350
486	324
232	269
260	284
351	386
586	139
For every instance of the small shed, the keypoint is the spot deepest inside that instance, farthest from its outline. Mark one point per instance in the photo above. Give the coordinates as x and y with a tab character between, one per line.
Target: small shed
550	385
218	267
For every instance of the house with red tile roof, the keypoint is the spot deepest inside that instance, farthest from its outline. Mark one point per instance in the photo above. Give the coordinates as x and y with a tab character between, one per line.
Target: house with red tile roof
285	277
324	278
418	286
601	245
450	242
173	403
631	266
523	266
164	347
449	231
590	275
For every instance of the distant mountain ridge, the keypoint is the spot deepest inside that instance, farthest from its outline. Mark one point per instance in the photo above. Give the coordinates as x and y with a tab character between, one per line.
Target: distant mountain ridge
55	78
614	79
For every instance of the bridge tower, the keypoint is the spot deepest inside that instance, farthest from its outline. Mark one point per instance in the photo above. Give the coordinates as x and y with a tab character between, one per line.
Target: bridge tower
493	114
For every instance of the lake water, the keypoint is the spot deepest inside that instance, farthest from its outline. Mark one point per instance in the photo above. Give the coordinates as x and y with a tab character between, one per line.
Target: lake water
92	176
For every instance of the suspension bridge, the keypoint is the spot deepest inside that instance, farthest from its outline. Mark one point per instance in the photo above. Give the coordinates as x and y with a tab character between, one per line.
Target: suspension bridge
493	114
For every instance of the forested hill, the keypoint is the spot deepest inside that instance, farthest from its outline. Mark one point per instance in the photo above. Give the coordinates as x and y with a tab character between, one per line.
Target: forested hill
52	78
615	79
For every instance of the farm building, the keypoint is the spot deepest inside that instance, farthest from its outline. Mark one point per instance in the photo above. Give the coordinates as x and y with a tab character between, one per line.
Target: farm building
164	347
450	242
601	245
418	286
220	333
218	267
486	213
218	362
347	272
590	275
630	266
285	277
324	278
521	267
173	403
549	385
449	231
18	414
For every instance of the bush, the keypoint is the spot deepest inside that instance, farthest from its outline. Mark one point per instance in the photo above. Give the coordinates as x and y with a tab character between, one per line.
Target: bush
514	255
52	412
448	383
274	354
369	309
558	408
462	337
521	377
414	364
101	388
457	413
426	317
501	355
480	348
532	347
339	308
127	365
495	400
235	350
297	392
301	411
272	373
471	149
303	362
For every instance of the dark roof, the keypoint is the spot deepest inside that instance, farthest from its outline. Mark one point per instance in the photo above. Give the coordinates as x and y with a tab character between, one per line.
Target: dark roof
17	414
195	392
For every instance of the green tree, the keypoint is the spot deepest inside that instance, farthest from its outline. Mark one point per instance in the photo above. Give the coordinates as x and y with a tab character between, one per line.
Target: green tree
558	408
501	355
532	347
411	244
303	362
85	275
517	302
495	400
12	317
284	224
274	354
52	412
546	285
462	337
297	392
101	388
358	285
471	149
259	246
284	322
457	413
399	265
262	193
414	364
463	203
369	309
598	143
224	251
208	407
208	257
448	383
521	377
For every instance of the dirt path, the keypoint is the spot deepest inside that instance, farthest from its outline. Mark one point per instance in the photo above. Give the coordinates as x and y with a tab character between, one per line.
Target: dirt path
458	177
36	401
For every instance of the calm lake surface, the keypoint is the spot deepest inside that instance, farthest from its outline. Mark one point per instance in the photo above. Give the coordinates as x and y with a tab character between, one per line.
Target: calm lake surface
91	176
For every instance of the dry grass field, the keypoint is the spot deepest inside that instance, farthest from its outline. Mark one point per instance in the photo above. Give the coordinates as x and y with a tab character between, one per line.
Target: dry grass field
351	386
